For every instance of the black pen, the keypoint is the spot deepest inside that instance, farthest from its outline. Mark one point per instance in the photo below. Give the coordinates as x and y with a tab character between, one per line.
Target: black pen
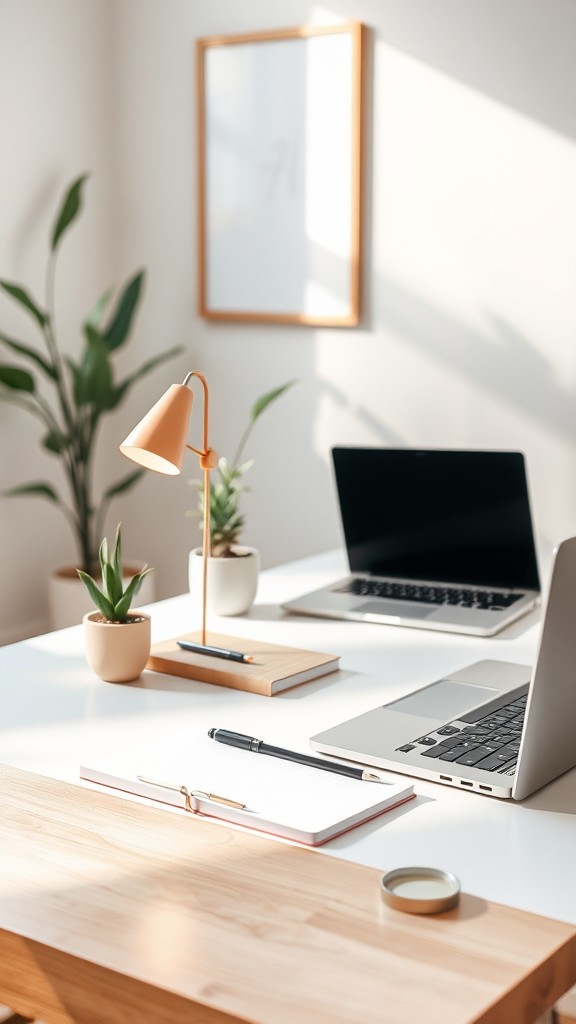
237	739
214	652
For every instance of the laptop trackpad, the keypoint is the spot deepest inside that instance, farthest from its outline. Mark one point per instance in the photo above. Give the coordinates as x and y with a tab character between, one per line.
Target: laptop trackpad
399	609
443	700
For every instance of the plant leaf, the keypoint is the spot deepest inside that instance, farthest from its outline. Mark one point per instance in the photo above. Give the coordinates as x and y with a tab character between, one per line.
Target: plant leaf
264	401
117	557
96	313
257	409
93	377
75	373
123	485
111	583
103	555
69	210
120	323
29	353
132	589
55	441
100	599
151	364
240	470
16	378
22	296
36	490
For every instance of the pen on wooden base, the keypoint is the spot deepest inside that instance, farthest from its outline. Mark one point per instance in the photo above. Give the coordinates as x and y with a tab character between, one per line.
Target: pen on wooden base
238	739
214	652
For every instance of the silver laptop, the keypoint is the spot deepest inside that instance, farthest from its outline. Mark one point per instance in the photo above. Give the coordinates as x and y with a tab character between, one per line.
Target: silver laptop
437	539
494	727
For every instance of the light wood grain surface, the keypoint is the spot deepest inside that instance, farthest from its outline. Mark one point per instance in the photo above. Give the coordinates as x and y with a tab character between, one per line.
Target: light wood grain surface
113	911
274	667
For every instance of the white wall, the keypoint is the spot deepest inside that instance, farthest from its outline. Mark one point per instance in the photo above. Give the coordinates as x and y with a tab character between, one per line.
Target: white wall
467	337
56	89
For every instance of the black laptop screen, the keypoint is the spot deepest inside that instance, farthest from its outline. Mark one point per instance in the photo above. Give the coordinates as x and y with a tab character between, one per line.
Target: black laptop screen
450	516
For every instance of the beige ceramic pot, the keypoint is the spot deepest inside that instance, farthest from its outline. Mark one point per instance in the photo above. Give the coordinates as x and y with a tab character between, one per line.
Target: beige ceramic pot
232	582
117	651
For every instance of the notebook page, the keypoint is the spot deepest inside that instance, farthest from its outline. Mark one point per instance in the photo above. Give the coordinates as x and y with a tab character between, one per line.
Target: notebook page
291	796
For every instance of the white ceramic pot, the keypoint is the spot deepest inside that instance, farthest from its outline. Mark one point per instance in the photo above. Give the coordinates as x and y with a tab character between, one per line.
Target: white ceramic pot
117	651
69	600
232	582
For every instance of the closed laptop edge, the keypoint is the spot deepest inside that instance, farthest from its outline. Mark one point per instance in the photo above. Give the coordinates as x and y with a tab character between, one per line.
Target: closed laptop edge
404	735
436	539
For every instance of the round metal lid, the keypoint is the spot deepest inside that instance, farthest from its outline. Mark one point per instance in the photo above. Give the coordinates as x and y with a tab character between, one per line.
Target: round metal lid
420	890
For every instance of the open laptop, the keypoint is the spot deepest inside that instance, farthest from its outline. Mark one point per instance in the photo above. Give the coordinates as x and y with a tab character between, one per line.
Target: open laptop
437	539
494	727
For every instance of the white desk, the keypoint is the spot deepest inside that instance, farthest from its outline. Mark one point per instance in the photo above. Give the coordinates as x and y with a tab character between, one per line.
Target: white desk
55	712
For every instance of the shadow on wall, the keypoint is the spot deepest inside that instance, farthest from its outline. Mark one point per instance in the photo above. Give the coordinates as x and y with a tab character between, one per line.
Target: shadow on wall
507	365
504	363
381	432
520	53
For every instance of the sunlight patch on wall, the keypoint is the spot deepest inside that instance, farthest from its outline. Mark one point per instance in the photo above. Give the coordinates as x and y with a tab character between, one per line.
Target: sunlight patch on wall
325	16
328	143
474	204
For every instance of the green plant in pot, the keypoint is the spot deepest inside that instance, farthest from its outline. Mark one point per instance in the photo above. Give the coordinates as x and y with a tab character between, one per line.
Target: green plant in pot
71	395
233	569
117	640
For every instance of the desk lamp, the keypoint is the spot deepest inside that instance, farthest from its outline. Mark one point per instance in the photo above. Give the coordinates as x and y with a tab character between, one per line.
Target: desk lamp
158	442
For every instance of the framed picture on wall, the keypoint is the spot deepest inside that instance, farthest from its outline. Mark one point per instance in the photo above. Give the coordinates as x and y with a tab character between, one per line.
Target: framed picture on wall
279	175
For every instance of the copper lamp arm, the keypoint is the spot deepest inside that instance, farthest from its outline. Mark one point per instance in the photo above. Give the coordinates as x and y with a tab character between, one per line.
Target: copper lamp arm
208	459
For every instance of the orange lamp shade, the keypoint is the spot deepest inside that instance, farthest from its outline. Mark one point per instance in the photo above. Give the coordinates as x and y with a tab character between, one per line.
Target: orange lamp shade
158	442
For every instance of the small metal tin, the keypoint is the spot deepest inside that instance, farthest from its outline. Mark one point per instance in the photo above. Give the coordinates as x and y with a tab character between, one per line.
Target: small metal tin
420	890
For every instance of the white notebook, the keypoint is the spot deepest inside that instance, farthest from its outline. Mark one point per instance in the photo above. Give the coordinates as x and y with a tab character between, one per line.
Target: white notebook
294	801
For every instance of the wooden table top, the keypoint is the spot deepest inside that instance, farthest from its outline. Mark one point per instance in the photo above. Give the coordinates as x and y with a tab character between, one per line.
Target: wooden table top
114	910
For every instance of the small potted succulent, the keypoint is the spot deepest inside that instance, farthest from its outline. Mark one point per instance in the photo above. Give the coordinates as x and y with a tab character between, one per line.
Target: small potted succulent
117	641
232	568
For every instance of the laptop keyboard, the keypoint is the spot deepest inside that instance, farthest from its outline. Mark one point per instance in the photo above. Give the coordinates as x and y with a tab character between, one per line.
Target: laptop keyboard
491	743
489	600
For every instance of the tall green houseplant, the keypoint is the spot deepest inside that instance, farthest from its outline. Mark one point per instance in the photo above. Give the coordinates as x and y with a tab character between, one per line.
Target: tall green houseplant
77	393
226	487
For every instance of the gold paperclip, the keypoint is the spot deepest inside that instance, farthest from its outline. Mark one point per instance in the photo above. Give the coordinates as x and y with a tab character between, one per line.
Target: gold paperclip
194	794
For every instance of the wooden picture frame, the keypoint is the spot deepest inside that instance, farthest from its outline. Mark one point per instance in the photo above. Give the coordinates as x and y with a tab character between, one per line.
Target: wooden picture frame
279	175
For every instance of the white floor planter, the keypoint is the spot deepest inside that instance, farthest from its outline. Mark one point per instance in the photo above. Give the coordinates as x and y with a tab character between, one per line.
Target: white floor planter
232	582
117	651
69	601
